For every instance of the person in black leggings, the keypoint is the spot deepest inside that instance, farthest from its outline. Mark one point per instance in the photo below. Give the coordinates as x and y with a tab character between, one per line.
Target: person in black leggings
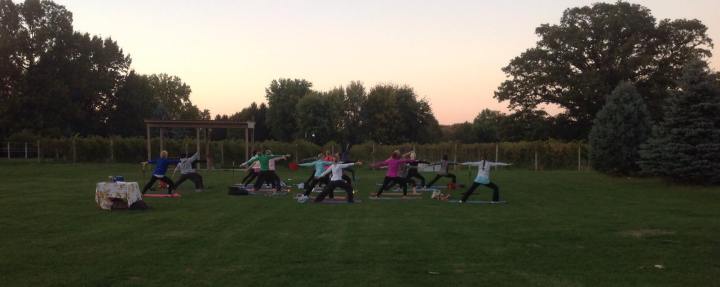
444	172
412	171
483	178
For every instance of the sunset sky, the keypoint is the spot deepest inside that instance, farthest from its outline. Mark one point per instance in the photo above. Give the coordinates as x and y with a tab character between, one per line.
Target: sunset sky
451	52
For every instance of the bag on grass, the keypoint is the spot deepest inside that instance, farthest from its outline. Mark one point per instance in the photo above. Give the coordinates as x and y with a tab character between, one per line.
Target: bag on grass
139	205
118	204
236	190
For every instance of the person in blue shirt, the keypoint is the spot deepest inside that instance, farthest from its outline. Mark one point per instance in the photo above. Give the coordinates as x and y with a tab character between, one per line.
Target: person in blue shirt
319	166
161	166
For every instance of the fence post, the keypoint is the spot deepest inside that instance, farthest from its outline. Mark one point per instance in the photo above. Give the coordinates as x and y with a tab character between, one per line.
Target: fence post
222	153
74	149
497	152
536	161
455	158
26	151
38	150
579	163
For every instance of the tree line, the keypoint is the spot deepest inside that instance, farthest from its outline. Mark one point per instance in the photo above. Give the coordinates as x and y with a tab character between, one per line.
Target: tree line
57	82
386	114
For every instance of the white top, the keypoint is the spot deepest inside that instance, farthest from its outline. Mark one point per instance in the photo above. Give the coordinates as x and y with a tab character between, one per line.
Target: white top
185	165
337	170
484	166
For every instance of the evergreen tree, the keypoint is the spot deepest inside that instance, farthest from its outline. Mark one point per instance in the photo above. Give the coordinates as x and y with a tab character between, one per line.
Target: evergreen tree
685	146
619	129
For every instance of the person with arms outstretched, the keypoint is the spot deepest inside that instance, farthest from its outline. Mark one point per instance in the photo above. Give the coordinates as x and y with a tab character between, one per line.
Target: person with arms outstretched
161	166
337	181
266	175
188	170
483	178
443	172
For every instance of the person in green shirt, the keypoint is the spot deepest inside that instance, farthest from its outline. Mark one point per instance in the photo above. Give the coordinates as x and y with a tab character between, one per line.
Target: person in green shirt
266	175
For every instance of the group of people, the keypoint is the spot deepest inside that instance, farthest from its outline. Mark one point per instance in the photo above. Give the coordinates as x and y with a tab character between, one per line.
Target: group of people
328	170
187	165
262	170
401	169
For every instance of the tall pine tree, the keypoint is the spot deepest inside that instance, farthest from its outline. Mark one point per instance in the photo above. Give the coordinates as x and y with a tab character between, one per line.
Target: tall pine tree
619	129
685	146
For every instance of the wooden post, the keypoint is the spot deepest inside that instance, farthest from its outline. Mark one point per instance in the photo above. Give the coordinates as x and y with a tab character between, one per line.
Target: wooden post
579	163
112	150
497	153
455	160
372	153
149	151
26	151
247	144
222	154
38	150
208	158
74	149
536	161
197	140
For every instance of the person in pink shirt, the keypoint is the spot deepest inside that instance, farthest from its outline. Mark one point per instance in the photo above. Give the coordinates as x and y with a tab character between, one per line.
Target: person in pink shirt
392	176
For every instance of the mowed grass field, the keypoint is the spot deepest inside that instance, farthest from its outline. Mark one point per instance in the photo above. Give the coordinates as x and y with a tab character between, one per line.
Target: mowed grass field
560	228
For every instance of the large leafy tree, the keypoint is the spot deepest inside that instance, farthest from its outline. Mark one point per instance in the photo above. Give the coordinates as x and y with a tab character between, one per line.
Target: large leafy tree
319	116
173	98
594	48
353	101
526	125
393	115
685	146
256	113
134	102
619	129
283	96
487	126
54	81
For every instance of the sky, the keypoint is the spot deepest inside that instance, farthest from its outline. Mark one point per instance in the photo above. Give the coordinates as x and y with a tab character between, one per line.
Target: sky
451	52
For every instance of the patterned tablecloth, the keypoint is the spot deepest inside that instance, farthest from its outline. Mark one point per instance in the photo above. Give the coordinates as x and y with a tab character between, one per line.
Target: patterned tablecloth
105	191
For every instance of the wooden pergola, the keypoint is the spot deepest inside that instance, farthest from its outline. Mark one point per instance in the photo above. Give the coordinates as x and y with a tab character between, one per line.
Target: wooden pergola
249	128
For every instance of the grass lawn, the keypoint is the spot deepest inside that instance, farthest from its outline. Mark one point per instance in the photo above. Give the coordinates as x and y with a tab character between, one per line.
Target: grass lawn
560	228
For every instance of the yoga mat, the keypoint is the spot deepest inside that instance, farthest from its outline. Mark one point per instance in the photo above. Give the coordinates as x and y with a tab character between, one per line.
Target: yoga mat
479	202
156	195
396	198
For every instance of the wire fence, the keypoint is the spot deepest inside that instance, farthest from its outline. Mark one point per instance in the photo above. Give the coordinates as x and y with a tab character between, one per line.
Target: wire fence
536	155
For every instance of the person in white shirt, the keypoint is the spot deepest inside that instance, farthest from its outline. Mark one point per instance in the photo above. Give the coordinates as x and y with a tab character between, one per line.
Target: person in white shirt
336	180
483	178
444	172
187	168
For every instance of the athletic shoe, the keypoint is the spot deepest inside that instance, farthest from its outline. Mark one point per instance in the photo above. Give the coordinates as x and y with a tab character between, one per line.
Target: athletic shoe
303	199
